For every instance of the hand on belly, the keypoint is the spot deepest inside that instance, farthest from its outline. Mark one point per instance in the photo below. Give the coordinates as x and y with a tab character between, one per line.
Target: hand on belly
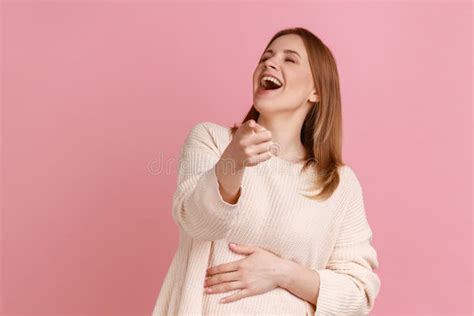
258	272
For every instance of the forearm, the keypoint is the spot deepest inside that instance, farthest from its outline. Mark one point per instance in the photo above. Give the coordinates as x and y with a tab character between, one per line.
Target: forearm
230	178
300	281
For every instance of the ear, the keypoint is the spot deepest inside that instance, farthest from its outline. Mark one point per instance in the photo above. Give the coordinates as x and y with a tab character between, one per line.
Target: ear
314	97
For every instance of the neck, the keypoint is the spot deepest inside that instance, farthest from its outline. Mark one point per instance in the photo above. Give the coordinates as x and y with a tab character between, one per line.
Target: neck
286	133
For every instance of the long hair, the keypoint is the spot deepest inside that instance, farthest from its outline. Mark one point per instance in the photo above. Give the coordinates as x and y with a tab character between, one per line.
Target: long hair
321	133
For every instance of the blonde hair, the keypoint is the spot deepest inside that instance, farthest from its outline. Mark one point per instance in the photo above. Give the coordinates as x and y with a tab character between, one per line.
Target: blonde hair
321	133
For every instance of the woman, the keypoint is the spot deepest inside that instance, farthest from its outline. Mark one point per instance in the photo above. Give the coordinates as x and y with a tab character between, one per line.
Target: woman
271	221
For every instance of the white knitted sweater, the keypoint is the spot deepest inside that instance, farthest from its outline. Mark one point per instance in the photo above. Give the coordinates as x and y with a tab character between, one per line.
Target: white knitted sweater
332	237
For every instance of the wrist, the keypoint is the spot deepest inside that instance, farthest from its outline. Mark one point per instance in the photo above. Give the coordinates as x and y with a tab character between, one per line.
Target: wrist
230	163
286	272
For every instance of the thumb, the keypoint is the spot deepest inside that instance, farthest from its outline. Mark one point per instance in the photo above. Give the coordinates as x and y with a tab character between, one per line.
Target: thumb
259	128
252	123
249	126
253	126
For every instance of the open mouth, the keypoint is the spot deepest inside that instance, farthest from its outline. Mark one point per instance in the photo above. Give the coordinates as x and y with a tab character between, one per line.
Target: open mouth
268	83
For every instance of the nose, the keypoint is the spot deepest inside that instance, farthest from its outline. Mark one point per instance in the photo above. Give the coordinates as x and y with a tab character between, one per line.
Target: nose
269	63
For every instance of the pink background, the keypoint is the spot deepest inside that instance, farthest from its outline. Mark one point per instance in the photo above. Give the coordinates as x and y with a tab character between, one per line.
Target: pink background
97	97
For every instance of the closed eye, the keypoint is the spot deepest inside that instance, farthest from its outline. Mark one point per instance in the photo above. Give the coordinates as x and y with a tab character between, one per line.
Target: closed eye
291	60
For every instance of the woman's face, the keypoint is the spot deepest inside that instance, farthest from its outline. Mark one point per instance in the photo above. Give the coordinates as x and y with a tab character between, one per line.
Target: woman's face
291	69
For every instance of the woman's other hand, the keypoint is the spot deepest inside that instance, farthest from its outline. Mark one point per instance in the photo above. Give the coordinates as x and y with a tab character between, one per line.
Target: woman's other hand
259	272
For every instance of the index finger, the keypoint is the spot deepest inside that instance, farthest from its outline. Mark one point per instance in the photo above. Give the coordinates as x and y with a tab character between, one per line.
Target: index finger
225	267
259	128
254	126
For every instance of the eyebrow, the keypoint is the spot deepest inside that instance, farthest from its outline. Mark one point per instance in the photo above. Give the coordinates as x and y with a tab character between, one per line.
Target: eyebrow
286	51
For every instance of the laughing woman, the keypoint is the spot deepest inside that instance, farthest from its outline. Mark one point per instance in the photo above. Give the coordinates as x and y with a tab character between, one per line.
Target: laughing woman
271	220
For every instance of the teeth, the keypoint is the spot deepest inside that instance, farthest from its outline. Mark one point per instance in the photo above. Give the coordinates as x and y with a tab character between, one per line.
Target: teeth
272	79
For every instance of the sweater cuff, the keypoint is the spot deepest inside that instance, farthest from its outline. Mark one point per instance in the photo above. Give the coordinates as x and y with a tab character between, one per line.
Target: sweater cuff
324	304
331	299
212	195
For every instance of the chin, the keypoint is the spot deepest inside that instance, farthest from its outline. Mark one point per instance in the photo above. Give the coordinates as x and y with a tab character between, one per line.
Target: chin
259	106
266	106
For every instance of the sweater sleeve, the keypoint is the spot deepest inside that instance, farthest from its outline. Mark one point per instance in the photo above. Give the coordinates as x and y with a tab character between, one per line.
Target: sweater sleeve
198	207
349	284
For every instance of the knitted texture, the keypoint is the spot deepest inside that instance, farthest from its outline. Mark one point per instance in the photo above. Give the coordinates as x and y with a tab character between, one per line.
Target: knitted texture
332	237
